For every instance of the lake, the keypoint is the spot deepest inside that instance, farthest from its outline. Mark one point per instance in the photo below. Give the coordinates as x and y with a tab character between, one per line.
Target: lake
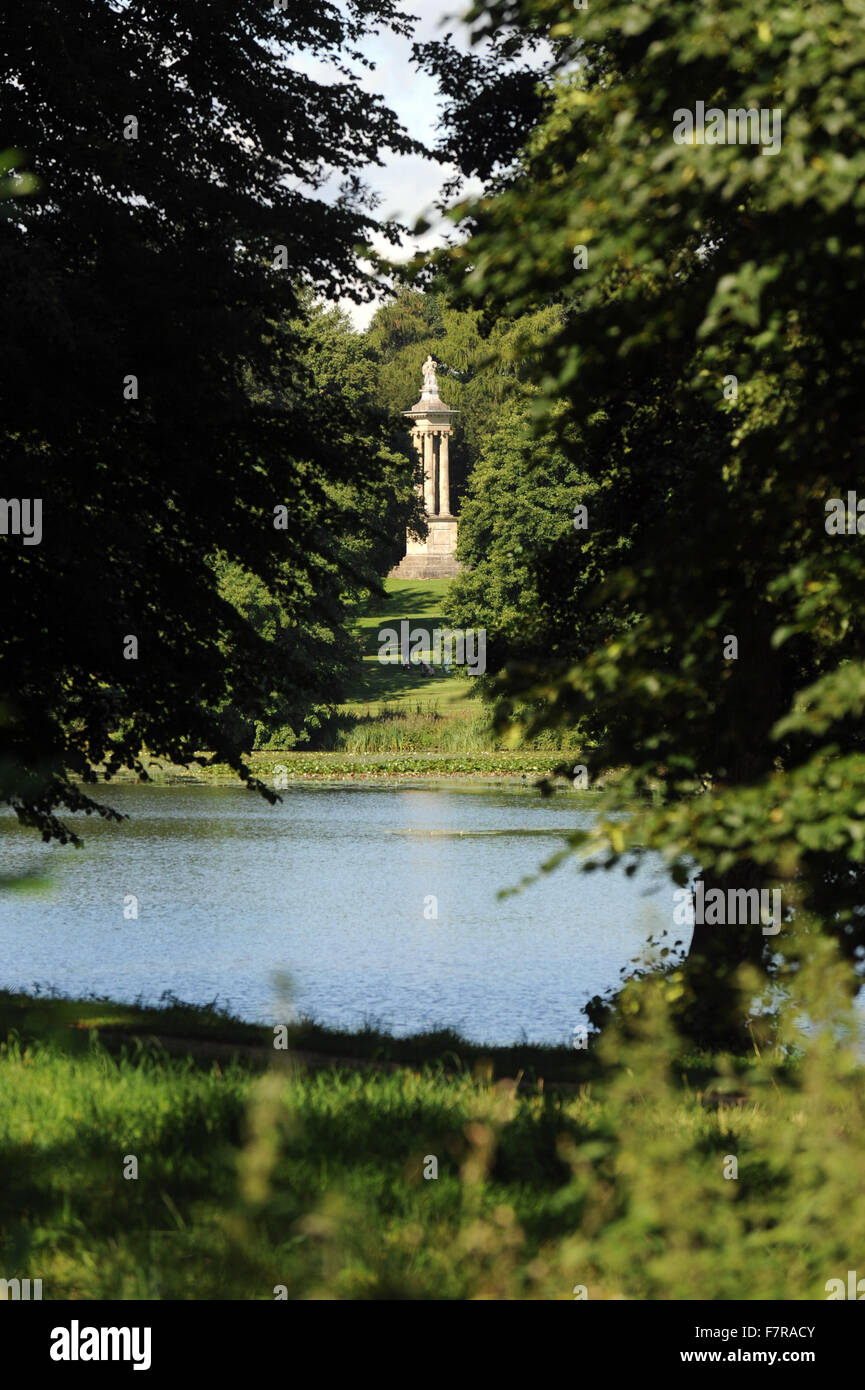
334	889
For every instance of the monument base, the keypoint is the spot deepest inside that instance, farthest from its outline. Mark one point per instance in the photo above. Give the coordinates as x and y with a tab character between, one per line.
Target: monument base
426	567
434	558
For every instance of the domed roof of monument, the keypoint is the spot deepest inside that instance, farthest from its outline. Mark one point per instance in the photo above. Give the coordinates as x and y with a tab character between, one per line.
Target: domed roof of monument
430	402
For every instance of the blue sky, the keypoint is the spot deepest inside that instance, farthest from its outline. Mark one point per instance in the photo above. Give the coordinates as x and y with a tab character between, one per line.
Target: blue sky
407	184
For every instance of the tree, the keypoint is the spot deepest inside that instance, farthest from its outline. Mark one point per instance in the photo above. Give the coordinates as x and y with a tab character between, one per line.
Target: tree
521	504
151	406
322	654
710	367
345	372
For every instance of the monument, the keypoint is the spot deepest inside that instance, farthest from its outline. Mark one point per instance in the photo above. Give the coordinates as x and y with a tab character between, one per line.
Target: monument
435	557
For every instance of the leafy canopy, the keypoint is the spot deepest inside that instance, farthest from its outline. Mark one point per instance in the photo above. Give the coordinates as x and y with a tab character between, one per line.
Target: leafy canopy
705	262
182	161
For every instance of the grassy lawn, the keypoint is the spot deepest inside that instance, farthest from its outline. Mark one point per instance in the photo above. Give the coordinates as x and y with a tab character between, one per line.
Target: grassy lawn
397	723
384	687
431	1180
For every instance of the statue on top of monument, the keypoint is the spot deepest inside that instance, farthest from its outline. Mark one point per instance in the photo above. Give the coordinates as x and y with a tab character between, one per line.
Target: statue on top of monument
430	384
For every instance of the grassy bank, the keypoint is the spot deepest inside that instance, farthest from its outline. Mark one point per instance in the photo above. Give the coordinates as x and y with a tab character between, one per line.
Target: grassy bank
380	687
320	1182
522	766
74	1024
390	709
398	724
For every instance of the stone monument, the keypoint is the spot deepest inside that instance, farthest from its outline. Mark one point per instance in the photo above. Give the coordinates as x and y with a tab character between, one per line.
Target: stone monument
433	558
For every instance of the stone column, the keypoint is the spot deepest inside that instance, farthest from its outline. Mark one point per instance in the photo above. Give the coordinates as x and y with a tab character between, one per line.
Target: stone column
429	474
444	475
417	439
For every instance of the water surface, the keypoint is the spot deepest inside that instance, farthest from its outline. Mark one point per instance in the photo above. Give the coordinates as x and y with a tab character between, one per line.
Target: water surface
331	888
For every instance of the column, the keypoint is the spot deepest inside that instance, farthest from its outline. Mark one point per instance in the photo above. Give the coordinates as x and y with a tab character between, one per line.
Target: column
429	474
417	439
444	475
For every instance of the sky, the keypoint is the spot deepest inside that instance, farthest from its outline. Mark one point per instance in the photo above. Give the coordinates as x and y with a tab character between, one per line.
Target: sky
408	185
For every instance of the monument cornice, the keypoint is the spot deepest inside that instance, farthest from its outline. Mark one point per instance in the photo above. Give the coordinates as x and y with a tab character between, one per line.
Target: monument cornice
431	407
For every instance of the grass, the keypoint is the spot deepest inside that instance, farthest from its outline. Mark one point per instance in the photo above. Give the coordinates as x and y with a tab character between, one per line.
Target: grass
72	1025
424	728
40	1016
520	766
379	687
397	724
397	711
321	1183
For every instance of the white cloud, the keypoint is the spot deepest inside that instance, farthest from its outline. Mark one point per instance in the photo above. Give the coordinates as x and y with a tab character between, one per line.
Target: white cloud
408	185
